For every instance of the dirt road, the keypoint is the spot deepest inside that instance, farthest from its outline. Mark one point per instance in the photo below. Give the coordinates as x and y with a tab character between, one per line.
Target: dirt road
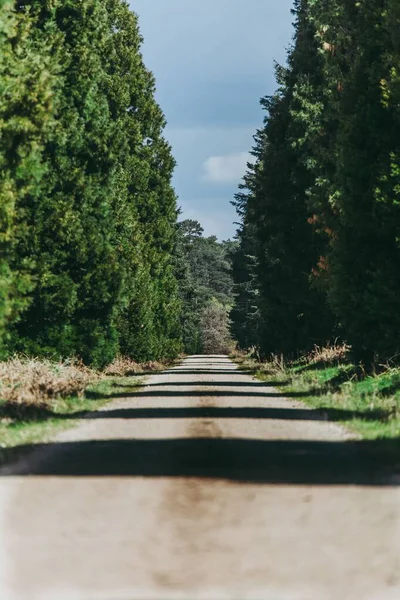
205	485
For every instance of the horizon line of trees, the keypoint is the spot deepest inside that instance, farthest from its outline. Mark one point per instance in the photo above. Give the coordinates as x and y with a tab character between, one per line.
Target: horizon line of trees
319	236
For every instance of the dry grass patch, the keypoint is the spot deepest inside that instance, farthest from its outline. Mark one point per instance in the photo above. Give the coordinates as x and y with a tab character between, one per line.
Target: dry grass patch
123	367
33	390
329	354
34	381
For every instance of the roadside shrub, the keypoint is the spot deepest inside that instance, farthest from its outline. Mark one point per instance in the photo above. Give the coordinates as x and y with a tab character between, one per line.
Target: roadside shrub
34	381
124	366
331	353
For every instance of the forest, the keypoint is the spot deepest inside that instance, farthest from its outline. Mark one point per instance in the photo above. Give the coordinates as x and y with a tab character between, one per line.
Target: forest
319	243
95	262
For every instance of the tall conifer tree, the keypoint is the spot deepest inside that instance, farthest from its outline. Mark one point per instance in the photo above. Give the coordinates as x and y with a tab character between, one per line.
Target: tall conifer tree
359	204
293	313
148	321
76	267
28	80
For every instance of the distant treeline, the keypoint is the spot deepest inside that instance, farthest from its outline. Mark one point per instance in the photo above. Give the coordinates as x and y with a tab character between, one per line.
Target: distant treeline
319	253
203	268
87	212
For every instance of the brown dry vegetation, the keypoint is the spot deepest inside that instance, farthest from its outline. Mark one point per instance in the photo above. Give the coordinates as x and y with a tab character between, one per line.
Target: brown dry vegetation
329	354
30	387
332	354
37	396
123	367
32	380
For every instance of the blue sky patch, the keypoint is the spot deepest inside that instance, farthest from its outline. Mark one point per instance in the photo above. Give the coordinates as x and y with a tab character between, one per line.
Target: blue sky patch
213	61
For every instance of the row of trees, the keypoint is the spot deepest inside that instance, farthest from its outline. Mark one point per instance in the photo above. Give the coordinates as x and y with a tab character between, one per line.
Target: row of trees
319	252
87	211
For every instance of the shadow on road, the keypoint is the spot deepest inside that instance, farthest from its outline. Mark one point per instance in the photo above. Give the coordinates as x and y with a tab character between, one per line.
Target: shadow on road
212	412
240	460
43	413
205	394
217	384
231	372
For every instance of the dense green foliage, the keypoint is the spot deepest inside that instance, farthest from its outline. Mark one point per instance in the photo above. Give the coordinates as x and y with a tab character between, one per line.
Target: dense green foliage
27	106
88	214
148	322
320	206
92	261
359	205
245	313
204	274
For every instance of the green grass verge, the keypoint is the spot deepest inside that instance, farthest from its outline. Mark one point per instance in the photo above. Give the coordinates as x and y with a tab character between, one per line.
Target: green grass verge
61	413
367	405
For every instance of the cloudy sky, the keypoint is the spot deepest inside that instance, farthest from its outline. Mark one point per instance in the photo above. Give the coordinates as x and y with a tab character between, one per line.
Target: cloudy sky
213	60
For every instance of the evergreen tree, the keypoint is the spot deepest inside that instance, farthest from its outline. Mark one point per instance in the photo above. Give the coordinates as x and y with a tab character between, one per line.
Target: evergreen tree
89	213
28	81
328	166
148	319
293	312
359	206
245	314
76	265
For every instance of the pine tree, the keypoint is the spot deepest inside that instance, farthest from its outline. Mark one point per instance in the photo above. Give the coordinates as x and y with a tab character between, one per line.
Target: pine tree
293	312
357	203
245	314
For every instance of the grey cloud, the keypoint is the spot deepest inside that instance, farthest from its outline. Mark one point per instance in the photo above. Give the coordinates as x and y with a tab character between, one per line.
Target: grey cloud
213	60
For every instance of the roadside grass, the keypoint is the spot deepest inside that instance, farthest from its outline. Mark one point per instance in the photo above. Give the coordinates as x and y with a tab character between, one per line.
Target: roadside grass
39	398
28	425
368	405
